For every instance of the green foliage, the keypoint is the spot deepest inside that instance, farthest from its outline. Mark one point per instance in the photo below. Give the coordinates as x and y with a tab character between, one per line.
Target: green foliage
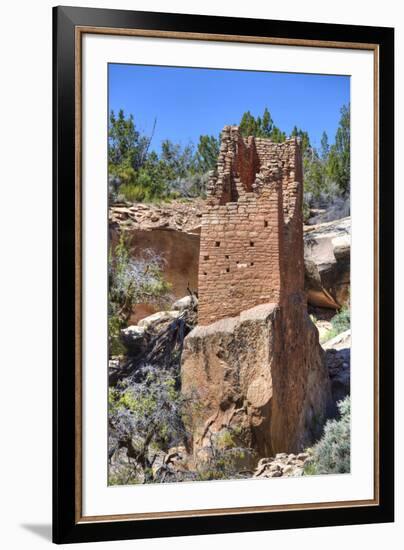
325	147
306	211
179	161
131	282
332	454
225	439
115	325
224	456
327	171
310	469
207	153
314	174
126	474
340	151
149	183
145	417
126	147
304	136
261	127
342	320
146	402
340	323
137	175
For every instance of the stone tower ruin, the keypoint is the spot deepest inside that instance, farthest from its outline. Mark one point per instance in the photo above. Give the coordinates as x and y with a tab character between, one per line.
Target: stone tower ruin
251	238
253	364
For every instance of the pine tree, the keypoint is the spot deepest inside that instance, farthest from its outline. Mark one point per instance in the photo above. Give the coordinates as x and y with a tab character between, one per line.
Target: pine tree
325	148
207	153
338	165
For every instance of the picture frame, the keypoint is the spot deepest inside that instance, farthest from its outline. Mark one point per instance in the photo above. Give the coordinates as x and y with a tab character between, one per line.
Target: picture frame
70	25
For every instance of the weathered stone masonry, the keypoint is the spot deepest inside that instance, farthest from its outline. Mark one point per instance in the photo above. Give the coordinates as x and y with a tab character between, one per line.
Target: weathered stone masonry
254	362
251	232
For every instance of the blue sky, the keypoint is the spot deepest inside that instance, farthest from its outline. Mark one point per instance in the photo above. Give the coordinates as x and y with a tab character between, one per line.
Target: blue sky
189	102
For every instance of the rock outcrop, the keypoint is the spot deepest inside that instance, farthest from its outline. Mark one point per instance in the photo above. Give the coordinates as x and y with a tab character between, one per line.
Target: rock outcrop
282	465
184	216
260	374
327	249
171	231
179	252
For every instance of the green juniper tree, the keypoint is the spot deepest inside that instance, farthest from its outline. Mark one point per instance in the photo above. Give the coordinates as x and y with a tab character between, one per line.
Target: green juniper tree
263	127
207	153
325	147
135	174
339	156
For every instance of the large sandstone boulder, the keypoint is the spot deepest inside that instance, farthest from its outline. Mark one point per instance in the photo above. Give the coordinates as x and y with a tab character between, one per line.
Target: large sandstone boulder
156	319
187	302
327	249
240	373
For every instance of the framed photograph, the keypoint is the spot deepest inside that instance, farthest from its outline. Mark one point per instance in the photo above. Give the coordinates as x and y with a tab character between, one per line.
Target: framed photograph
223	275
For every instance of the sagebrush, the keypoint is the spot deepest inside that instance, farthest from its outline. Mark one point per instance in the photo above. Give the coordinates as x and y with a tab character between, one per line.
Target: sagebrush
332	454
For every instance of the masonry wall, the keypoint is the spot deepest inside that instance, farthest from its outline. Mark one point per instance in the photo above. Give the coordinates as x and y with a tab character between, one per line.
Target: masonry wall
252	227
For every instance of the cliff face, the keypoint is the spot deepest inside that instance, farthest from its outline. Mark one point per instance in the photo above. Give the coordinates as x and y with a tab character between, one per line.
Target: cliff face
171	232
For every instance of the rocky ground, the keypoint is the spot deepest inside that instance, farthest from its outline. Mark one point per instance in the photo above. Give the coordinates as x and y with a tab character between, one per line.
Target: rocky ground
156	337
176	215
282	465
152	338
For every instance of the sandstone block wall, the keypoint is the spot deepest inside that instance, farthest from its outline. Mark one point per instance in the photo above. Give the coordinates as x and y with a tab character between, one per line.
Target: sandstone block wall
251	237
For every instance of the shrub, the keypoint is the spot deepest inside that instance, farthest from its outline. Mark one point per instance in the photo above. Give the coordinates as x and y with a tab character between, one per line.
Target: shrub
332	454
132	281
226	457
335	207
306	209
145	416
340	322
116	346
139	175
329	199
191	186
